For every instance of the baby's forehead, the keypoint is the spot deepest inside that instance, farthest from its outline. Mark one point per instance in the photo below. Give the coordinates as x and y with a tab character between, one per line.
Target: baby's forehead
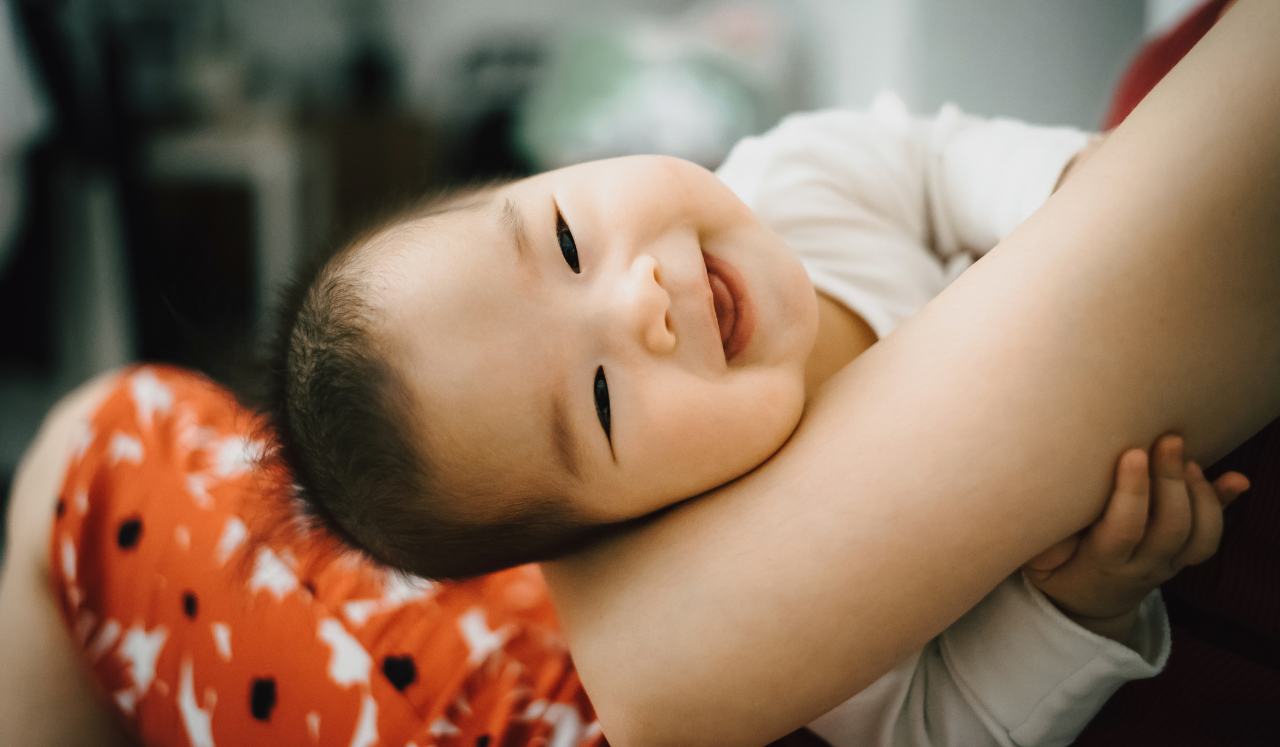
408	247
427	282
415	233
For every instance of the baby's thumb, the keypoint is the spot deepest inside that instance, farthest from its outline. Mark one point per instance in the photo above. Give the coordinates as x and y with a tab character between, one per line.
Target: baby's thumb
1229	487
1054	557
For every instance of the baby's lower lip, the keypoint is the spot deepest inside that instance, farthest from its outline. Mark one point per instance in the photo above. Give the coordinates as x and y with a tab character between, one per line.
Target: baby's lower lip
734	315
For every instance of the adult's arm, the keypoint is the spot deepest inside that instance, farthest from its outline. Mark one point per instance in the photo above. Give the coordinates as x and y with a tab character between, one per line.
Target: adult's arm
46	696
871	202
1141	299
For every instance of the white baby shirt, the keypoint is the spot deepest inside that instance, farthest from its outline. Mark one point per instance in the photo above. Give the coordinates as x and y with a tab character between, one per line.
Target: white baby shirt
884	210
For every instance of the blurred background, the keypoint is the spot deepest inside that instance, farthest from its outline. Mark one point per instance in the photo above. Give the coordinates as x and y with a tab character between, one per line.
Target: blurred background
165	165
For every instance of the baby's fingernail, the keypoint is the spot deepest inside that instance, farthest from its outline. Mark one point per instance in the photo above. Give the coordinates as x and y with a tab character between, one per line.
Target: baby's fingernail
1194	472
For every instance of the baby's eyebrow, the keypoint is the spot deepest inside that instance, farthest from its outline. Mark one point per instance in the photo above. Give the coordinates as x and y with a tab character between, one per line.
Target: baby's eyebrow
563	435
513	221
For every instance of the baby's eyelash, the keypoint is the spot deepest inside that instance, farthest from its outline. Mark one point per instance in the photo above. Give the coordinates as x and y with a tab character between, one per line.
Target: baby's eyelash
568	247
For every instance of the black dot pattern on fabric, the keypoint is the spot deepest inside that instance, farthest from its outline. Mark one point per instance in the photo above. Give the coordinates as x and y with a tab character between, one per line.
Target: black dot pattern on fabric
262	698
190	605
62	508
482	740
129	534
400	670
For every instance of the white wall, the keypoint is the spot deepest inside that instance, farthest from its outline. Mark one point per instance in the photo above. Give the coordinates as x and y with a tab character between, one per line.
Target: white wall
1046	61
862	47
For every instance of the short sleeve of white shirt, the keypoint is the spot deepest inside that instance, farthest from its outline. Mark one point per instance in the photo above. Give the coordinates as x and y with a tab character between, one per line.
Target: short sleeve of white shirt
885	209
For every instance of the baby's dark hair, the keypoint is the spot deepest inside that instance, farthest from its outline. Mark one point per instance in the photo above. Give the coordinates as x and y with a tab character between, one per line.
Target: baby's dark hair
347	427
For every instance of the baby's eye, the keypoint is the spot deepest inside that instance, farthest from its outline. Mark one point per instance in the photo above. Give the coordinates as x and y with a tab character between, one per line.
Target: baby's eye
569	250
601	388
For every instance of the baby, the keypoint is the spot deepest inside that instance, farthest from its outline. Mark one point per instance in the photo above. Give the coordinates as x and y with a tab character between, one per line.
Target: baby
506	374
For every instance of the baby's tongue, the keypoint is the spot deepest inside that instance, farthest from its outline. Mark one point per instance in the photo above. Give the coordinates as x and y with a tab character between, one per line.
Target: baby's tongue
726	314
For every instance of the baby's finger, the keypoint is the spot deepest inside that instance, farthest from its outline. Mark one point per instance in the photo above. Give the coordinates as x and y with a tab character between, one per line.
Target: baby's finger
1124	522
1229	486
1052	558
1206	522
1170	524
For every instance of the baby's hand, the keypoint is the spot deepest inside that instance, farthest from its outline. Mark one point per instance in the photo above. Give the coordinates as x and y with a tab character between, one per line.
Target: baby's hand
1154	525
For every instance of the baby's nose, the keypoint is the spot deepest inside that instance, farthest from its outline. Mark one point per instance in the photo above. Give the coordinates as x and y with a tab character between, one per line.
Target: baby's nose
646	305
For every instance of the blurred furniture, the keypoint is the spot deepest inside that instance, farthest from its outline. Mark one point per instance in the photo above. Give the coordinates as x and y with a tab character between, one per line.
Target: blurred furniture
21	118
375	162
236	193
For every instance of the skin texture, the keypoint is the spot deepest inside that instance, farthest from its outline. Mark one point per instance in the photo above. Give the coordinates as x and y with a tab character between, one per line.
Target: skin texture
45	695
488	320
1140	300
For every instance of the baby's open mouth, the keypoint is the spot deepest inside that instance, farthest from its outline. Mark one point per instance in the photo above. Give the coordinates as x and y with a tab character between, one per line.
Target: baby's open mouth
722	301
731	305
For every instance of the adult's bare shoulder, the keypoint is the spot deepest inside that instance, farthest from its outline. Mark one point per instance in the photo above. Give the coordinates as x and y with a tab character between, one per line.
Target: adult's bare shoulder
35	485
46	697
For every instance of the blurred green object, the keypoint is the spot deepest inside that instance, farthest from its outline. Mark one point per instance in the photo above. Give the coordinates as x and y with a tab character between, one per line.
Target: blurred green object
689	87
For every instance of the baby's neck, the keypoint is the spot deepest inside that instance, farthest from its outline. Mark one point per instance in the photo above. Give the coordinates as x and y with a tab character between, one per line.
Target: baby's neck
842	336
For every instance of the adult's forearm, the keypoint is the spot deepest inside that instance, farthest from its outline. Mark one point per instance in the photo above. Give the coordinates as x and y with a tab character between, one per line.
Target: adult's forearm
1144	297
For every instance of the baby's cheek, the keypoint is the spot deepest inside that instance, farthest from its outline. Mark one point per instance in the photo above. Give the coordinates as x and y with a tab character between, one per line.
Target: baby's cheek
770	408
735	438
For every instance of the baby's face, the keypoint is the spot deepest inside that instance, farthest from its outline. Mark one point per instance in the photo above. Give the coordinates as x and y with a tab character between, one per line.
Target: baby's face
621	334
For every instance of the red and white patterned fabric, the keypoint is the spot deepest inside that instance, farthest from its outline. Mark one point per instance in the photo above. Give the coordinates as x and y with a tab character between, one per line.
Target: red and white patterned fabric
208	617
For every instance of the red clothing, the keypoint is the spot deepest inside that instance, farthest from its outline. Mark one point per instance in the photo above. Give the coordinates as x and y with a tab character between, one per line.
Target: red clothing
208	620
1157	57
